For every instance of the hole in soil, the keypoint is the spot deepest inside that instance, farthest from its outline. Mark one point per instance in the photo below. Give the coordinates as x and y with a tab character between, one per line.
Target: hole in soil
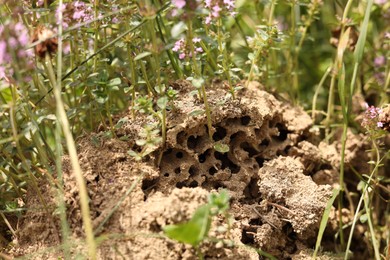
255	222
249	149
177	170
233	136
212	171
147	186
218	185
193	170
179	155
181	137
283	132
247	235
290	247
260	161
265	142
237	135
289	231
325	167
251	190
226	162
154	227
219	134
97	178
245	120
192	142
202	157
193	184
168	151
283	152
180	184
257	132
166	174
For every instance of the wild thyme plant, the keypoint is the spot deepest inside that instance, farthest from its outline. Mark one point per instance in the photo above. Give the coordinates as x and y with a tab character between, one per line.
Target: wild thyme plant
102	56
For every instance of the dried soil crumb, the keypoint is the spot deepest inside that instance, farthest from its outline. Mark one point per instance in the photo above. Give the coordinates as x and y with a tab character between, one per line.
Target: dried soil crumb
300	200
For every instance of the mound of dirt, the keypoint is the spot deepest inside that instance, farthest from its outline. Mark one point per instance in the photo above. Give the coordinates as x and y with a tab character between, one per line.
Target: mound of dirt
279	183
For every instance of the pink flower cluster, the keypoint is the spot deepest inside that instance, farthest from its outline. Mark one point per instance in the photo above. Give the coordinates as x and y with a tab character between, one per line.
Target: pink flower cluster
14	38
179	3
371	117
184	8
73	13
183	50
217	7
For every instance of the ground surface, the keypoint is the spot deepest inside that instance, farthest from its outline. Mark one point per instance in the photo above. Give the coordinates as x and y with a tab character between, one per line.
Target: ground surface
278	176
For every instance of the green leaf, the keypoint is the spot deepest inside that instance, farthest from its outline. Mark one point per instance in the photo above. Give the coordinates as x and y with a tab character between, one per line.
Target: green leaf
135	155
343	44
220	200
114	82
363	218
358	54
222	148
324	220
142	55
162	102
196	112
197	82
160	89
194	231
140	142
101	100
46	117
178	29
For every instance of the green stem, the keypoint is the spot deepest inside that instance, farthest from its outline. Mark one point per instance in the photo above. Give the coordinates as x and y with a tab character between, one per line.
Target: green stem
330	103
95	45
202	90
271	13
84	199
223	52
365	190
251	71
172	58
208	114
133	80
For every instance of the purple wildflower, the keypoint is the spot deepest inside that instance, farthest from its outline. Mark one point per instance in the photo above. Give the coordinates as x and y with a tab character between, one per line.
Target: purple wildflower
379	61
66	49
4	56
371	117
73	13
219	7
184	9
179	3
182	48
182	55
196	39
380	2
380	78
14	38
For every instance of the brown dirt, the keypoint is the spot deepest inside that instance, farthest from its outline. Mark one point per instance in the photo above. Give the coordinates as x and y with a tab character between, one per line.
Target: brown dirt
279	183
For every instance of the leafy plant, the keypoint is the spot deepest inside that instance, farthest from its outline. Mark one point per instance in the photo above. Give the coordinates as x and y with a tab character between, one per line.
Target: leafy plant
195	231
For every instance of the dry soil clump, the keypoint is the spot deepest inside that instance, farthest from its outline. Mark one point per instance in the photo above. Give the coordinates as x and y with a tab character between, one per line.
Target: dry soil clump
279	183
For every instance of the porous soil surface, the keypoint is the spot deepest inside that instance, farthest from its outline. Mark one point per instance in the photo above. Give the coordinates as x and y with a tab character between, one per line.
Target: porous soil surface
278	176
